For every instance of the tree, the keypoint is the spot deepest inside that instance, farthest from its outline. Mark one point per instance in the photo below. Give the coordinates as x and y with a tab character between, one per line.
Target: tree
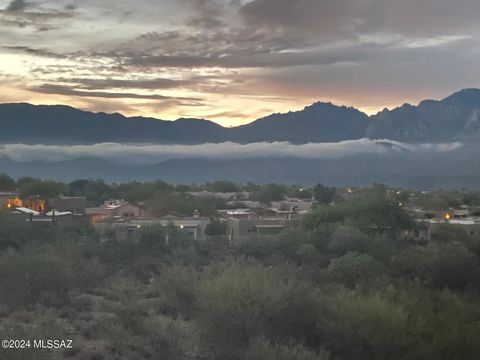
247	300
301	193
6	183
444	265
268	193
354	267
323	194
223	187
452	265
45	189
77	187
138	191
162	203
215	228
346	239
372	213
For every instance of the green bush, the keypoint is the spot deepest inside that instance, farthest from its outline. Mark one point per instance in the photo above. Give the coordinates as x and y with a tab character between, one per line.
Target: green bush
44	274
442	265
353	268
246	300
175	290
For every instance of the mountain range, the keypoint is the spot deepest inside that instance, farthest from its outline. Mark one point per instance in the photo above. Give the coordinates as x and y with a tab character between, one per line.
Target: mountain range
455	118
434	144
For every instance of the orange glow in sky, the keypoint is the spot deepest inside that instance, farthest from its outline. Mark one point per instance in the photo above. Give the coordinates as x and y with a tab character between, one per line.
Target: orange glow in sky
233	61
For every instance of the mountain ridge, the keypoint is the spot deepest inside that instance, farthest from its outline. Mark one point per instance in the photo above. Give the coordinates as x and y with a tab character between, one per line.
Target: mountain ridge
453	118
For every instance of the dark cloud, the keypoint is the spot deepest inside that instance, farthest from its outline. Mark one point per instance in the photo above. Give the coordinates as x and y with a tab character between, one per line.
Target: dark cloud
336	19
277	54
321	17
230	48
16	5
33	51
228	114
271	51
208	14
32	14
111	83
67	90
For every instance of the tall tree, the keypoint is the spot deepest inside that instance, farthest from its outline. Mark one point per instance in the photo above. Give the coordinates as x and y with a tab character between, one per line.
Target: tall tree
6	183
323	194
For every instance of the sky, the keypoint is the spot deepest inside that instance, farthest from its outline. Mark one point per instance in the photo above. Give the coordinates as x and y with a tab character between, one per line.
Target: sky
233	61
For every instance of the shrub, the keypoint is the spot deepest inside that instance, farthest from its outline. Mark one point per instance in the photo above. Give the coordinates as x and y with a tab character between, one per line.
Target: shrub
353	267
246	300
175	288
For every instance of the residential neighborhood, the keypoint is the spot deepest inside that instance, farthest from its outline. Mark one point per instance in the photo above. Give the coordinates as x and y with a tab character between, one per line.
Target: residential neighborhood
253	218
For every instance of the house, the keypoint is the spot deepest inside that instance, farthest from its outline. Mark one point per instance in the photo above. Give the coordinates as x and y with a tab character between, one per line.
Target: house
10	200
238	227
115	209
34	203
245	203
471	225
194	225
426	227
76	205
238	213
244	195
293	203
245	222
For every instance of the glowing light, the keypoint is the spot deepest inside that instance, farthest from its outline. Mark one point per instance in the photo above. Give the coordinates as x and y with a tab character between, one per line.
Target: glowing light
447	216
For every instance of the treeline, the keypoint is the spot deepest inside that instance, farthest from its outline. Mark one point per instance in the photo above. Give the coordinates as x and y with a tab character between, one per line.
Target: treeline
158	196
98	190
348	283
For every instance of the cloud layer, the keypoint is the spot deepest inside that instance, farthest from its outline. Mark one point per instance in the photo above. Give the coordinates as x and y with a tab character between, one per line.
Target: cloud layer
153	154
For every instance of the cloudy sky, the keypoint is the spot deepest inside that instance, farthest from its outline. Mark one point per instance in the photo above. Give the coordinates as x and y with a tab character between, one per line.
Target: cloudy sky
232	61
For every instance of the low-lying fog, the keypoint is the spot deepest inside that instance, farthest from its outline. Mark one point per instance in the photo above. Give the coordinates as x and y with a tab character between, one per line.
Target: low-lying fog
144	154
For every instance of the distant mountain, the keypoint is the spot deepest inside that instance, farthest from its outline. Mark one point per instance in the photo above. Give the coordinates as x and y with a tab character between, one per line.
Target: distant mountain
25	123
320	122
454	118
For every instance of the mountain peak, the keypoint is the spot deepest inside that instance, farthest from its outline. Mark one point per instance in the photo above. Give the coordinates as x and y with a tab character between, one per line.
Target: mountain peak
467	97
448	120
434	121
321	105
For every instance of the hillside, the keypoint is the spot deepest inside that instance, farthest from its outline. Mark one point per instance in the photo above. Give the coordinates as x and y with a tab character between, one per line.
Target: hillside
27	123
320	122
454	118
